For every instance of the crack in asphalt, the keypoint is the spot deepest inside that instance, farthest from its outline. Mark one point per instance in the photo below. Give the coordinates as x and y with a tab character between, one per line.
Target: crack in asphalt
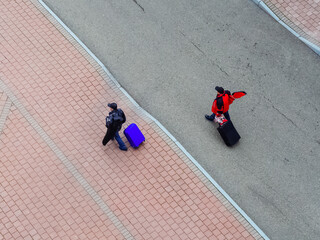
135	1
292	122
197	47
285	116
266	200
281	113
200	50
221	69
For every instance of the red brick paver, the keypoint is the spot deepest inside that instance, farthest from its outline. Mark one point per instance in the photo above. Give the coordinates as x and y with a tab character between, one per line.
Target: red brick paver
57	181
303	16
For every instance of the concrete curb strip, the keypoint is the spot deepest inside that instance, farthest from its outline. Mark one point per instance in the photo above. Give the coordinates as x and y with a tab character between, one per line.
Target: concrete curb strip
141	111
311	45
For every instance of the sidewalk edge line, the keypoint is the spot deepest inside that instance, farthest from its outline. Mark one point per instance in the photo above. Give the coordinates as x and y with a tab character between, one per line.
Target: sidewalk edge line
233	203
268	10
311	45
256	1
289	28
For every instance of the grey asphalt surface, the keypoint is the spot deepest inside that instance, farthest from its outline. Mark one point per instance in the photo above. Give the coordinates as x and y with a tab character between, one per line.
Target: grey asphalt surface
169	55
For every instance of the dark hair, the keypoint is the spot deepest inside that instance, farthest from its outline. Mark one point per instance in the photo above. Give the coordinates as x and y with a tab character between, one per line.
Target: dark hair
113	106
219	89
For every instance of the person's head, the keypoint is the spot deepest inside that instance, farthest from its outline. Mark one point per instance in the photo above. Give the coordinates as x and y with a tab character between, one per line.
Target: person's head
220	90
112	106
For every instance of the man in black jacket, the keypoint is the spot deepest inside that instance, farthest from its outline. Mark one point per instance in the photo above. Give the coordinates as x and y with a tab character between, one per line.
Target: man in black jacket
114	123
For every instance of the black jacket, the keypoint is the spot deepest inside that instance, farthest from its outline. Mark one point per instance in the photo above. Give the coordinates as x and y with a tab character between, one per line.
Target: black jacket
115	119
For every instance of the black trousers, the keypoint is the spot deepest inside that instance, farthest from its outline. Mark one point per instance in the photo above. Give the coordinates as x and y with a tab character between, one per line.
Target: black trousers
109	135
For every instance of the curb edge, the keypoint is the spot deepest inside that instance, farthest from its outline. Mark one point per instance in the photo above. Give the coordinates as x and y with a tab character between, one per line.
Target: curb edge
311	45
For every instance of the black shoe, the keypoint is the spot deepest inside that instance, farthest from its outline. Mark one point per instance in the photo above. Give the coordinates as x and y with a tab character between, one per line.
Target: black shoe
123	149
208	117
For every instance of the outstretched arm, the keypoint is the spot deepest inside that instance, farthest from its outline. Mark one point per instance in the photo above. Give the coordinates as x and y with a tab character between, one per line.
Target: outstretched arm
239	94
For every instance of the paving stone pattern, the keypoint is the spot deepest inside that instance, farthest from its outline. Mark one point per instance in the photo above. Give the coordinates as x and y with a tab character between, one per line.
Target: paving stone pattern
57	181
301	15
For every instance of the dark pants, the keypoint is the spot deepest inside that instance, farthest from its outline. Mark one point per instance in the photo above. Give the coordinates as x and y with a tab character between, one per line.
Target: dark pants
226	114
113	134
109	135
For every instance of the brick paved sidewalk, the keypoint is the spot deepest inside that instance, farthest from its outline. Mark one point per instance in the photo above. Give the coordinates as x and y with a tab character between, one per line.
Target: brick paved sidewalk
303	16
57	181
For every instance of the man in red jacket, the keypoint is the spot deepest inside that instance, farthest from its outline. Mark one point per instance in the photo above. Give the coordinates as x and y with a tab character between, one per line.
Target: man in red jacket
221	104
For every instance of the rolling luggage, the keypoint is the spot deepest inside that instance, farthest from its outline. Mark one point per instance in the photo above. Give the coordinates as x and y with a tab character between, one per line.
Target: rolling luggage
228	133
134	135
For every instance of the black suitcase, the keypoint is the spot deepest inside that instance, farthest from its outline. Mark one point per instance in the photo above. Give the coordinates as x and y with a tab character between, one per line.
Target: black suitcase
228	133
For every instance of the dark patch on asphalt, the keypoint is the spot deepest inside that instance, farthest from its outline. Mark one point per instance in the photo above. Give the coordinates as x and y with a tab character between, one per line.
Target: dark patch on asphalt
286	160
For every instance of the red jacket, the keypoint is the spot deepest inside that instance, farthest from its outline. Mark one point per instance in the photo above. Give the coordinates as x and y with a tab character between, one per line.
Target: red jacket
221	103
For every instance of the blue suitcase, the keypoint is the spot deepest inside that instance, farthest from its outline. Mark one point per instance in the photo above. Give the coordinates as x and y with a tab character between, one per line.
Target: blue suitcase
134	135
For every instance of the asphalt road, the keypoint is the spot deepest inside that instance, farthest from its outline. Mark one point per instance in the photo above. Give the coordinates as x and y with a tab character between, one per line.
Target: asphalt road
169	55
